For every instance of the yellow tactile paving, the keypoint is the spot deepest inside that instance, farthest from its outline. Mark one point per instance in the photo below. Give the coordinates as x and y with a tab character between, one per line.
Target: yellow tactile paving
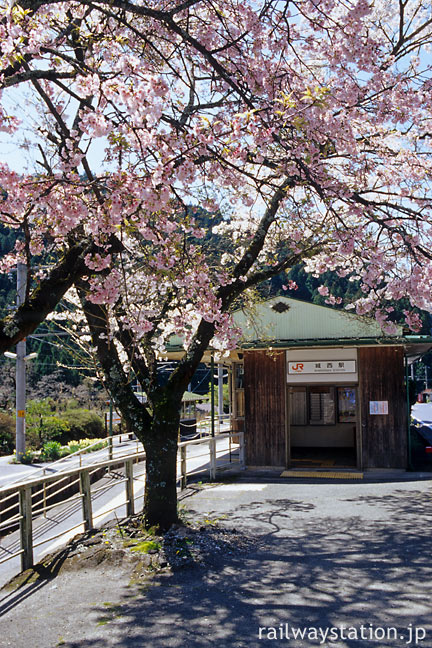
315	474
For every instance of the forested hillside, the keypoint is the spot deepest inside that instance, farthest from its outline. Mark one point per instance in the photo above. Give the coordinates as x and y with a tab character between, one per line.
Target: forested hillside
51	347
7	282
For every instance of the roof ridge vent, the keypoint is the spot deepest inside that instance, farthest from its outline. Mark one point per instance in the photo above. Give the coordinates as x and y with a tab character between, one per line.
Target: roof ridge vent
281	307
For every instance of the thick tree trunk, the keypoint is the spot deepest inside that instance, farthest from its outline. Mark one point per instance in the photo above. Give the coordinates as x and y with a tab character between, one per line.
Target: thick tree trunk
160	502
157	428
160	443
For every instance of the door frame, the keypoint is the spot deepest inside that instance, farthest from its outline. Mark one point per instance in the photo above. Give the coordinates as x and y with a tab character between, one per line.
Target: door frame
358	445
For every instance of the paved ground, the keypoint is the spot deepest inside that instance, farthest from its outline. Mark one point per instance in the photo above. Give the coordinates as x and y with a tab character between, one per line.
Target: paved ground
355	557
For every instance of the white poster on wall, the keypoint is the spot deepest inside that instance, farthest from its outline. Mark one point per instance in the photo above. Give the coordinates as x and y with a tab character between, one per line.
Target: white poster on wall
378	407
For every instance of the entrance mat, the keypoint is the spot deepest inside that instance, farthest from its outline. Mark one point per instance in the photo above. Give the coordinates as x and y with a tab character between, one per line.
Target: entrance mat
315	474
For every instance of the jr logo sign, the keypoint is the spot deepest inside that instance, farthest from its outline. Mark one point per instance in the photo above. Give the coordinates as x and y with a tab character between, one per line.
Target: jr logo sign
298	367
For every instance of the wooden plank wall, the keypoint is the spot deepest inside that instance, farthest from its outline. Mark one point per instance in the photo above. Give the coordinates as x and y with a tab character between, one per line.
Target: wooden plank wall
265	407
381	378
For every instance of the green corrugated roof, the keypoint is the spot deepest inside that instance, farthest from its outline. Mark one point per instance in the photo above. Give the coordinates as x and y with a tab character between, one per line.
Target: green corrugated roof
191	397
284	318
285	322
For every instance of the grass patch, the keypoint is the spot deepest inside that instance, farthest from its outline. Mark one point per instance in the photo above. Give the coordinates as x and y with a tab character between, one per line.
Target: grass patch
146	546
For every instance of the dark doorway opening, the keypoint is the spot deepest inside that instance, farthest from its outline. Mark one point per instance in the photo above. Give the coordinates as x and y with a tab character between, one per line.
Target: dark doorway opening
323	425
323	458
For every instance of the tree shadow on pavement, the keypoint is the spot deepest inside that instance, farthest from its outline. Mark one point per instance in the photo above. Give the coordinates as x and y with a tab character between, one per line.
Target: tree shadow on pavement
307	571
32	580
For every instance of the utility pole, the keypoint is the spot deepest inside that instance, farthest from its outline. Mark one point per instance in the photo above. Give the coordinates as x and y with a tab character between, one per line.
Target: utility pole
212	395
220	393
20	358
21	352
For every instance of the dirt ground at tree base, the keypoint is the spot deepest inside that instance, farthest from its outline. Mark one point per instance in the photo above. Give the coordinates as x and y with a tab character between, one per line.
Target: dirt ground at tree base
266	560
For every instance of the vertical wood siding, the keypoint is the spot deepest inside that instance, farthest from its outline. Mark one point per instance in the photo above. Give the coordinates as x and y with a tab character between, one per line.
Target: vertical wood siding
265	408
384	437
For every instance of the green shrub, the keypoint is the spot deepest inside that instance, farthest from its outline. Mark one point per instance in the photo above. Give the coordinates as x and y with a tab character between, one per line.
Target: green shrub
70	404
54	428
73	446
97	446
37	411
33	439
51	451
83	423
7	434
37	408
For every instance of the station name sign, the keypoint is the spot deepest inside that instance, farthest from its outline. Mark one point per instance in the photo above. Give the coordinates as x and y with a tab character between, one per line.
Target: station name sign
300	368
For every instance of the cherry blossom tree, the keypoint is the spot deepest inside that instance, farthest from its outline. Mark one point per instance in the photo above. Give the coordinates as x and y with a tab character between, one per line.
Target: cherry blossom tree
303	128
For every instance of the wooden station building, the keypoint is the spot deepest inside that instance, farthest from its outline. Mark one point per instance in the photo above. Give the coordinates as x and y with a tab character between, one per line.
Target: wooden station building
316	386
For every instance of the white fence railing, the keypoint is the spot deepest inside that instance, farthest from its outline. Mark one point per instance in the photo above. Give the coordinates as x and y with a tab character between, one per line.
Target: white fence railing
24	502
116	446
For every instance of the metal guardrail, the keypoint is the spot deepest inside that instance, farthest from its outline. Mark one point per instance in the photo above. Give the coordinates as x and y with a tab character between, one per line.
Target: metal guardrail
31	493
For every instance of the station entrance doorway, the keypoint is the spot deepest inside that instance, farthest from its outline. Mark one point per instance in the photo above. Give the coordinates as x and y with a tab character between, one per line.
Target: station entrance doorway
323	426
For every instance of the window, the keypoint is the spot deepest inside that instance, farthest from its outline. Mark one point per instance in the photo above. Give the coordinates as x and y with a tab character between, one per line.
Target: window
239	404
346	404
238	376
298	406
322	406
318	405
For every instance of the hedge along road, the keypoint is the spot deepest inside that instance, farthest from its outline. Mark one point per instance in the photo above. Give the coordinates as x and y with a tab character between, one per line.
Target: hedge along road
112	493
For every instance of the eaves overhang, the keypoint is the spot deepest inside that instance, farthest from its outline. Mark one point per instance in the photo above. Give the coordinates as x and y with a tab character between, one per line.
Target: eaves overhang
411	342
415	346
